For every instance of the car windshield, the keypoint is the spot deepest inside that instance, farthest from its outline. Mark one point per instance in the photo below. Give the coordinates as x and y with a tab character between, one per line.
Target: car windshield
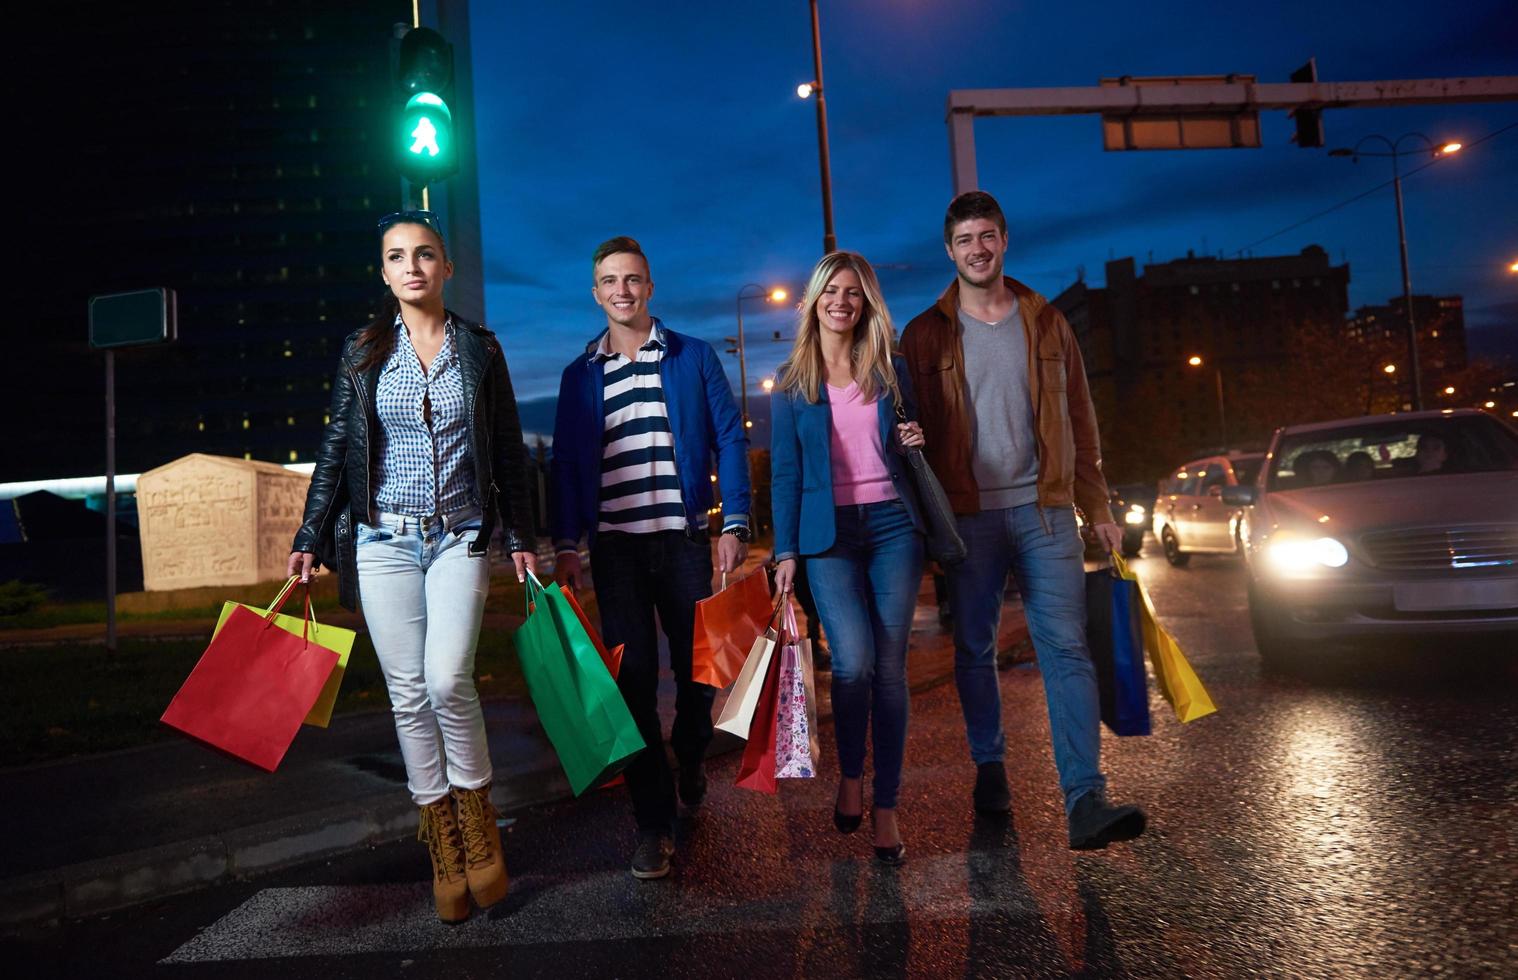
1393	449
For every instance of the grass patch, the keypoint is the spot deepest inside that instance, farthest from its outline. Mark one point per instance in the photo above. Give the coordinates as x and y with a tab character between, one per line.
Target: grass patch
71	699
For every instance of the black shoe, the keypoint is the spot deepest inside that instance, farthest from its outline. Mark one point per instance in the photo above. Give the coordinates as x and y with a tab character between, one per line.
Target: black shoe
992	797
1094	824
846	824
894	856
651	859
692	784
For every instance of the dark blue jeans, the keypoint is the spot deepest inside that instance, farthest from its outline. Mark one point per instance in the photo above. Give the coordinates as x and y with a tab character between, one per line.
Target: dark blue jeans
866	590
636	576
1043	550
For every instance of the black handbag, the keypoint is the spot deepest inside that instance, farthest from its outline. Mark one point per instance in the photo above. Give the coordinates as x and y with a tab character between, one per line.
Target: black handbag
943	540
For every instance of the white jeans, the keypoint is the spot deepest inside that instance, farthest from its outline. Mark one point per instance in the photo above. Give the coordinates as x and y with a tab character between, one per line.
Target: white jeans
423	595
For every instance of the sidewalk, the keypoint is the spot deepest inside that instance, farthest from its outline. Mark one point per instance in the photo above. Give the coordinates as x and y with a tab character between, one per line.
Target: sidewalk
103	832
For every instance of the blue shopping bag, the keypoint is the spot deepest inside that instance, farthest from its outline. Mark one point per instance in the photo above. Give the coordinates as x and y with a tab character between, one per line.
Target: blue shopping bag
1114	635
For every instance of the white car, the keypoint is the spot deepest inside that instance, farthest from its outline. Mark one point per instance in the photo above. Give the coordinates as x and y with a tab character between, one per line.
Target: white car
1190	516
1384	525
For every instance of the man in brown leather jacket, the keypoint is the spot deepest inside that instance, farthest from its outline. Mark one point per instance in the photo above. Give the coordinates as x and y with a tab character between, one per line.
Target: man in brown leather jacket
1012	435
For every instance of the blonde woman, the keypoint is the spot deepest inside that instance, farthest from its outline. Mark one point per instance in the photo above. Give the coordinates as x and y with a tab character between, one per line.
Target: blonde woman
842	504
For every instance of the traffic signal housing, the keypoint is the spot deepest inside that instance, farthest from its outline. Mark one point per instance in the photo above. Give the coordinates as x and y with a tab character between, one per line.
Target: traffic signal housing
424	141
1309	121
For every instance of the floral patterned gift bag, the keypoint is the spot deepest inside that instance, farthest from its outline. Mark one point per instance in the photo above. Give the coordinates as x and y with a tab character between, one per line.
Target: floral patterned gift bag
796	749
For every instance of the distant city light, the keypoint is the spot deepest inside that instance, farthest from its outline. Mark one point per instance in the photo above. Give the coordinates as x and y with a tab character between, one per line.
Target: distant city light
1194	361
768	384
1490	404
1449	390
1390	369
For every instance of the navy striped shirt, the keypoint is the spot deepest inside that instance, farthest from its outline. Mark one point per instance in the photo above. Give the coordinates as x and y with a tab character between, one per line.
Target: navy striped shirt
640	484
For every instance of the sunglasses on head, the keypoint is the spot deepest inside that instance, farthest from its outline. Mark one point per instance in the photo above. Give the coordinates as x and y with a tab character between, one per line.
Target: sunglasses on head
428	218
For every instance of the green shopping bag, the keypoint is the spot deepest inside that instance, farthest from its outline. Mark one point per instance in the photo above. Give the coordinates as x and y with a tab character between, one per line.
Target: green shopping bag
334	638
576	698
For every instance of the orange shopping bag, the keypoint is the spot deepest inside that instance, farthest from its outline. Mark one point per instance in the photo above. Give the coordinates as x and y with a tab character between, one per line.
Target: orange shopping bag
727	625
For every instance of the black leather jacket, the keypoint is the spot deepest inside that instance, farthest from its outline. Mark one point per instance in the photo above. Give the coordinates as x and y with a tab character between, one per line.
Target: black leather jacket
342	484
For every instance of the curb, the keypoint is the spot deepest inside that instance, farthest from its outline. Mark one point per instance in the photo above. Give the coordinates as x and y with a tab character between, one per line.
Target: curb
108	884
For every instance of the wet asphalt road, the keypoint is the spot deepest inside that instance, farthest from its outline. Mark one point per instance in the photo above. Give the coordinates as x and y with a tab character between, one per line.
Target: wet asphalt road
1355	819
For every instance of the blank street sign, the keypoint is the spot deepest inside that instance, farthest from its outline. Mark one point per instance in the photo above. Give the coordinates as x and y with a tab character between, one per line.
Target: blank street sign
134	319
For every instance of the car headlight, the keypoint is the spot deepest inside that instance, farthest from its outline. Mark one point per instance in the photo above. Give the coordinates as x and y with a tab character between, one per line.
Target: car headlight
1289	553
1135	514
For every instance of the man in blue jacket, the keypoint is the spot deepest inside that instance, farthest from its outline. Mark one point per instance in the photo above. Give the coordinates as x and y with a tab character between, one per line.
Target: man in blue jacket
640	415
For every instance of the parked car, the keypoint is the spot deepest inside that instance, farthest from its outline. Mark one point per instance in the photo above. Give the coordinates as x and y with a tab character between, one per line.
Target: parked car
1383	525
1190	516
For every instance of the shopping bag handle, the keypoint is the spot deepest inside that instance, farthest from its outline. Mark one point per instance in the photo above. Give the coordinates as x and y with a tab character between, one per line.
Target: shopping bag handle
528	593
788	623
308	615
1120	568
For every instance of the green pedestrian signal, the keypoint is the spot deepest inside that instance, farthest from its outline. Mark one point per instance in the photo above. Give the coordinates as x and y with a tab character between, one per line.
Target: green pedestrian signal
424	145
426	149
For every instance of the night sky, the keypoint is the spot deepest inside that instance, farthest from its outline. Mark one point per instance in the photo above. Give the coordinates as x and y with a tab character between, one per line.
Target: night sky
678	123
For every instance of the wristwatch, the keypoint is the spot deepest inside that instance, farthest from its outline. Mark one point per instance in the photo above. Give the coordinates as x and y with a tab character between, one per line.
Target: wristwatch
741	532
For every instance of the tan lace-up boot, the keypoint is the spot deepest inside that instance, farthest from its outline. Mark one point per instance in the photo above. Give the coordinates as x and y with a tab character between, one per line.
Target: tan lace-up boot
439	830
484	864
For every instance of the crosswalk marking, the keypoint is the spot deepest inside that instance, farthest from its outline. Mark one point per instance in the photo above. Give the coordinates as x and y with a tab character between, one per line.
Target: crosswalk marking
335	920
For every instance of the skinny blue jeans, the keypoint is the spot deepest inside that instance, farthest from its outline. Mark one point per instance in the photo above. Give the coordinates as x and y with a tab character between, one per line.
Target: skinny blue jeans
865	586
1043	549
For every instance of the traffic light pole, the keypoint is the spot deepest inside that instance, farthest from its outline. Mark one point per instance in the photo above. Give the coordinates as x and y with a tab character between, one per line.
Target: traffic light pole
110	502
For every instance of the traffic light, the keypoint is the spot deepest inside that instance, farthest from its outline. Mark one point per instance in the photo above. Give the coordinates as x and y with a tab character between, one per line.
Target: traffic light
424	139
1309	121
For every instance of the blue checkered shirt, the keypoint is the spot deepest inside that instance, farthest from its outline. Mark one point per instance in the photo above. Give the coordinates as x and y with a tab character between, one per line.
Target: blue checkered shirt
424	471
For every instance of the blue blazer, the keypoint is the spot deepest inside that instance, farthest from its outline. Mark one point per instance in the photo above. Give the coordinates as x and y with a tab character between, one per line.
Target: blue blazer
801	467
702	416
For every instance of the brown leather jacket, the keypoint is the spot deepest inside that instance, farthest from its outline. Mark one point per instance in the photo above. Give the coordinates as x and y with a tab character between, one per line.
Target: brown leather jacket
1069	446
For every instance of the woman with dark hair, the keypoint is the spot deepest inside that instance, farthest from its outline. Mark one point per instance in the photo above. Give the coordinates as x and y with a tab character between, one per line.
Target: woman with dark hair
422	453
835	473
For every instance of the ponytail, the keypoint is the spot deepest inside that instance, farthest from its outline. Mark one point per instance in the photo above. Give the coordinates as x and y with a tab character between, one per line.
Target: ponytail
377	340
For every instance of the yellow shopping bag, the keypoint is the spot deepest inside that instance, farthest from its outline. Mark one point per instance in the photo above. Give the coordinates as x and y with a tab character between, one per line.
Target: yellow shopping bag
1177	681
334	638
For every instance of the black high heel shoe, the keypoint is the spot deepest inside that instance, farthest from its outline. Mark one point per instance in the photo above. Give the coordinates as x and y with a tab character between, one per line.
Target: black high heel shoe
845	822
893	856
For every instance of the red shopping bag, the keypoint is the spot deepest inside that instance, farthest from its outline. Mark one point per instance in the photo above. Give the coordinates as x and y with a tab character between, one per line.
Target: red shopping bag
727	625
253	686
757	770
611	658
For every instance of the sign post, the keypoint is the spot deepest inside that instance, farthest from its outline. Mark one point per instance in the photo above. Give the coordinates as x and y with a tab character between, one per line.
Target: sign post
136	319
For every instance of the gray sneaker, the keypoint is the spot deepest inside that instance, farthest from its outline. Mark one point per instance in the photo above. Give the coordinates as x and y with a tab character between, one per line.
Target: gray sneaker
651	859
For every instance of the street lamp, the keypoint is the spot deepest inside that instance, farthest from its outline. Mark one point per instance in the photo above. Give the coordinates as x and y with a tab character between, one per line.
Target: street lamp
1416	377
773	294
768	384
804	91
1217	371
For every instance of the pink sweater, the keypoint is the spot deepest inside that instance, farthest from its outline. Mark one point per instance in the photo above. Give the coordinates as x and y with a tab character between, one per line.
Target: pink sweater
859	470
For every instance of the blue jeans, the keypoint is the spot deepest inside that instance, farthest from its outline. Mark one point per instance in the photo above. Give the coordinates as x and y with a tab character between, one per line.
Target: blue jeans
865	586
423	594
1043	550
